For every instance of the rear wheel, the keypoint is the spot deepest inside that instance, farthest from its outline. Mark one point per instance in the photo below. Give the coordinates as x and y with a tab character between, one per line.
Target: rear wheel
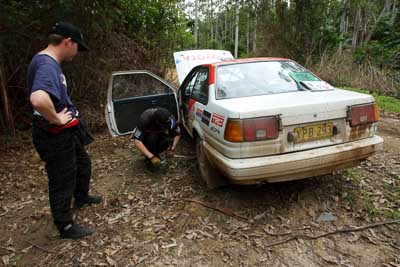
208	173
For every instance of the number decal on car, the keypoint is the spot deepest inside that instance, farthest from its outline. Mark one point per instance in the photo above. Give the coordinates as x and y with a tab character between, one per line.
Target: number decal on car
215	130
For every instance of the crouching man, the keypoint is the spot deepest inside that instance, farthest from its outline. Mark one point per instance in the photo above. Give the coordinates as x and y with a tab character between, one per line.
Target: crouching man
156	132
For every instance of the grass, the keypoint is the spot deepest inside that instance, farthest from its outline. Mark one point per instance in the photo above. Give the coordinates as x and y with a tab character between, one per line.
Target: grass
387	103
364	197
352	189
387	213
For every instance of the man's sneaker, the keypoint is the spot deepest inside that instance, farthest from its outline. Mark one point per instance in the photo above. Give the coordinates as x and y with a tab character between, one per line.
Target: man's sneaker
74	231
89	200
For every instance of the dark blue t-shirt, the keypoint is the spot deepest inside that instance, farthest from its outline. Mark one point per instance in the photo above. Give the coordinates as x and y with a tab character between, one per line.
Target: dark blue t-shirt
44	73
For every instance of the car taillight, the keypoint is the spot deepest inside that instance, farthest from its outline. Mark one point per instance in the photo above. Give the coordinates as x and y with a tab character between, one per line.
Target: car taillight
363	114
234	130
251	129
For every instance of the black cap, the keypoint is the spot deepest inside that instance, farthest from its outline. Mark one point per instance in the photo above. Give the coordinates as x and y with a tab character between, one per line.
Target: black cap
68	30
163	117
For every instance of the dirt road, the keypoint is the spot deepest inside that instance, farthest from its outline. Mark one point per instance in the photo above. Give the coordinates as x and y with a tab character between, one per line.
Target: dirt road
148	219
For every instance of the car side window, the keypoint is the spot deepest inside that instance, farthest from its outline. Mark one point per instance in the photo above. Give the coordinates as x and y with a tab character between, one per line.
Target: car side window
136	85
200	89
187	86
190	85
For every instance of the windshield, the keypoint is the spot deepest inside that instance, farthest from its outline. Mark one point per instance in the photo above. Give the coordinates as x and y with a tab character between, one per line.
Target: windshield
260	78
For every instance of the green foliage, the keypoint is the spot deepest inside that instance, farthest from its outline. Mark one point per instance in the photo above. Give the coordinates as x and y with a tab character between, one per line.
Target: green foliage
328	35
215	44
374	52
123	34
384	49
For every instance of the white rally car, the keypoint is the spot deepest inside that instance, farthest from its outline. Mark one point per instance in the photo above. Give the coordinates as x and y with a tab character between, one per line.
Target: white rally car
254	120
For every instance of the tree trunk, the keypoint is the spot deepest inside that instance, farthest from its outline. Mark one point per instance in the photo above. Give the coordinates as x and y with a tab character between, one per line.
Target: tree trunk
226	22
255	32
196	23
216	31
342	28
232	26
394	13
8	119
210	19
356	28
237	30
248	33
385	9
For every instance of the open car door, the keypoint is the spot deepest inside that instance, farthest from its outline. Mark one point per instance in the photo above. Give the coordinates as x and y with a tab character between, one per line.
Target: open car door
132	92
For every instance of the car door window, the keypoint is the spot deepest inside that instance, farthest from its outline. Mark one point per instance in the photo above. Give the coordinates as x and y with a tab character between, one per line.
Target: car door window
187	92
200	89
139	84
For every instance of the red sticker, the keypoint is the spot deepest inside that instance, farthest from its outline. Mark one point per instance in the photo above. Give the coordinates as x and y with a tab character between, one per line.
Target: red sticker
191	103
217	120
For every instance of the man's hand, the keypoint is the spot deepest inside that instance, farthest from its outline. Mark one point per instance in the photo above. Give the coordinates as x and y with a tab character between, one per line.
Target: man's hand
155	161
170	153
41	102
64	116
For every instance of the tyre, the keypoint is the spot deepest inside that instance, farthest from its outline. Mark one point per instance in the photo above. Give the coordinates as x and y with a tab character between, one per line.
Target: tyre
208	173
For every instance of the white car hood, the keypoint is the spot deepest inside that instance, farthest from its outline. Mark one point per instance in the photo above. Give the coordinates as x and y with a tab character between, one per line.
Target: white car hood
295	107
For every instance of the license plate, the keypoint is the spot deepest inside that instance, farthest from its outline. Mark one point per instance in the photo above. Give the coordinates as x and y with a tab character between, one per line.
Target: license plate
313	132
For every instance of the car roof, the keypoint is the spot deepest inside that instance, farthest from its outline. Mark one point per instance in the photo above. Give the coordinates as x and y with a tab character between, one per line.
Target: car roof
246	60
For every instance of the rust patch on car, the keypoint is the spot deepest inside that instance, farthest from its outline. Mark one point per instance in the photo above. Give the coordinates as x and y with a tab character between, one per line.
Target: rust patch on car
359	131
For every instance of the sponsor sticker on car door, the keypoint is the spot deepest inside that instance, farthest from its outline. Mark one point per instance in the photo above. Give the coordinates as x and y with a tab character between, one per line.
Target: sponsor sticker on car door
206	117
217	120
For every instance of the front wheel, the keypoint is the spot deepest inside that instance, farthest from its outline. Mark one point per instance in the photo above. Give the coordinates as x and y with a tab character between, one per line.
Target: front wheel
208	173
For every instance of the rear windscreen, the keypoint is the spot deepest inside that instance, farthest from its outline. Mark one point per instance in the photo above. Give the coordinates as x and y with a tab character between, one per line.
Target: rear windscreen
260	78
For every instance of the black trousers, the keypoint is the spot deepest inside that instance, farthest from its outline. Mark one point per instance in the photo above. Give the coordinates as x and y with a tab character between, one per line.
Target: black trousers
68	168
157	142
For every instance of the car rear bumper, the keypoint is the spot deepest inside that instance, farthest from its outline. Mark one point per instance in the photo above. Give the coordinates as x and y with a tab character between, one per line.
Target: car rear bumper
295	165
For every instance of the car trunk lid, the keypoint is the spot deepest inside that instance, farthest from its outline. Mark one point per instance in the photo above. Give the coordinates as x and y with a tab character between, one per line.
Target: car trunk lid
297	107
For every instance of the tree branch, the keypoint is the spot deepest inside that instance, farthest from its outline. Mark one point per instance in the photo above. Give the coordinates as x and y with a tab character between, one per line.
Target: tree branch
224	211
346	230
39	247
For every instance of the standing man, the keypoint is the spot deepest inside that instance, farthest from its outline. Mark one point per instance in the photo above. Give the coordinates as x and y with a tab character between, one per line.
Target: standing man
58	133
156	132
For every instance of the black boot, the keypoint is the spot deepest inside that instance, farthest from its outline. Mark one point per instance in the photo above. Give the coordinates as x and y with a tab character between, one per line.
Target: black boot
89	200
74	231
